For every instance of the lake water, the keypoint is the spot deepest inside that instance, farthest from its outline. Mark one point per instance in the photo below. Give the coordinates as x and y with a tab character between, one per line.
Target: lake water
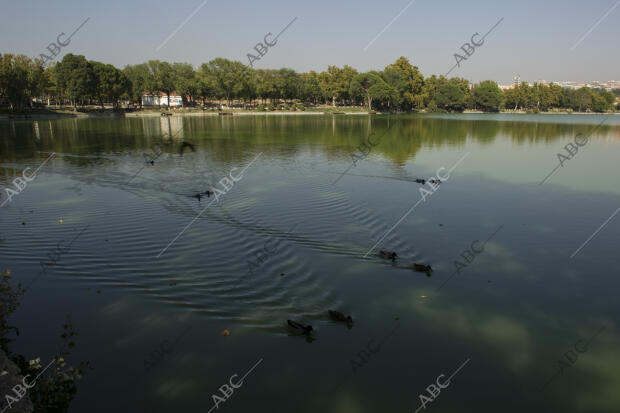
151	267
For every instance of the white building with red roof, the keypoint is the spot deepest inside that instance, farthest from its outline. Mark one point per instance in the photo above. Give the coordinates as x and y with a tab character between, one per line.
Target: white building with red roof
161	99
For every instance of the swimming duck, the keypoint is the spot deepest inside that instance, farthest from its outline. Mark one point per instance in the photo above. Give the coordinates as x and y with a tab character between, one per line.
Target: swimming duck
198	196
422	268
149	159
338	316
388	254
434	181
209	193
299	327
420	181
185	145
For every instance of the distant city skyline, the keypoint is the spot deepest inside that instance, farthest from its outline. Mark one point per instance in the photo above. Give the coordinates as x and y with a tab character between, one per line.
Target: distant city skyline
607	85
549	40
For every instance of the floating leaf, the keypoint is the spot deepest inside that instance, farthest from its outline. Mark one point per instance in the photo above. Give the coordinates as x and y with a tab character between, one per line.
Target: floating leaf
225	333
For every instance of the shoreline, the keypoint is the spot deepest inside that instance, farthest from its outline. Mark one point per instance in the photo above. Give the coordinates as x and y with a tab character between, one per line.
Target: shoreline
68	115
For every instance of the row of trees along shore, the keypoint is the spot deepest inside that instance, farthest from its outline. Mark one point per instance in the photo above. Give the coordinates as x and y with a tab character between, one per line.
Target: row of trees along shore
400	86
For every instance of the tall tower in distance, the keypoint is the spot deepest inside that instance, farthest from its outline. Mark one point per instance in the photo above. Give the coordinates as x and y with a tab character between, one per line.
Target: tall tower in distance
517	79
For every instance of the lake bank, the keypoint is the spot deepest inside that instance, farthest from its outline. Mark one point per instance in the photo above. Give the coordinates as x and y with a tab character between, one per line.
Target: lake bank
184	112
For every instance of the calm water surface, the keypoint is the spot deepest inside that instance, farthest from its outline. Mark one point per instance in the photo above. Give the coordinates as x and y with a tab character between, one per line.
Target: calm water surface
507	316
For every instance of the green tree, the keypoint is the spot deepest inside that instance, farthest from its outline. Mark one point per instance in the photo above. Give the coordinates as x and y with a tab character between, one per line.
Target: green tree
583	99
450	97
140	81
161	77
335	83
111	83
75	76
185	81
21	79
207	84
370	86
286	83
266	84
414	82
488	96
430	89
310	89
228	76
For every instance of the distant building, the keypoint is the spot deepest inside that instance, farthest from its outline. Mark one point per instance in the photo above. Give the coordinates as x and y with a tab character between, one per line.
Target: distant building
609	85
161	99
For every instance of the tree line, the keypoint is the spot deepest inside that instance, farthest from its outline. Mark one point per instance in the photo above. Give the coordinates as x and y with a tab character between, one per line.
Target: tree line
398	87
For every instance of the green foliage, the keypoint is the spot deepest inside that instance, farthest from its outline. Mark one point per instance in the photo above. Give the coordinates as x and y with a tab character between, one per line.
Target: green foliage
370	87
488	96
432	107
335	83
55	390
76	78
450	97
110	83
225	76
260	108
21	78
162	77
139	78
186	80
410	82
399	86
9	303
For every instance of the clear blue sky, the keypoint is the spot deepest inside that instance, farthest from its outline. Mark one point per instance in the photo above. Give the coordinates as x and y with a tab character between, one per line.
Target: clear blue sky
534	39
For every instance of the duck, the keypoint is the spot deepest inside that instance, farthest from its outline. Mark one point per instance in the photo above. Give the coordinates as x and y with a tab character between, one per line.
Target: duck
420	181
149	159
434	181
338	316
422	268
388	254
198	196
208	194
299	327
186	145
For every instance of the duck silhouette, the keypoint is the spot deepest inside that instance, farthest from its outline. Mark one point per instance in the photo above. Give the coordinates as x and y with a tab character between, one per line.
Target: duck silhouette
423	268
420	181
434	181
298	327
149	159
186	145
209	193
391	255
198	196
338	316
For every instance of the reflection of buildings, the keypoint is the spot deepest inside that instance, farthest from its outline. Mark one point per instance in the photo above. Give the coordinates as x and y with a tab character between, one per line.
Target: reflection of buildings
171	127
163	127
37	133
